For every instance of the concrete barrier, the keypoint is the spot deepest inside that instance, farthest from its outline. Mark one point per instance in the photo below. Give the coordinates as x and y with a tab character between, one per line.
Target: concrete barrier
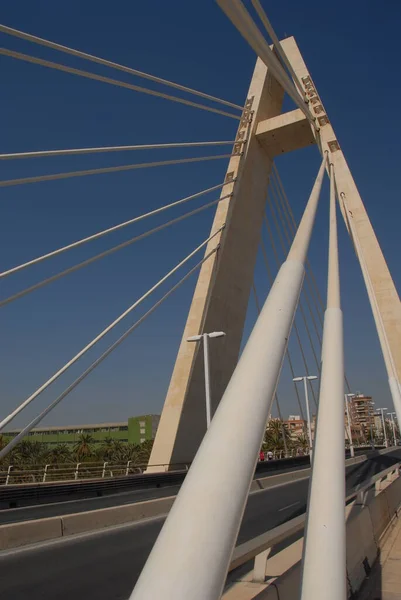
379	514
368	524
361	546
30	532
393	496
115	515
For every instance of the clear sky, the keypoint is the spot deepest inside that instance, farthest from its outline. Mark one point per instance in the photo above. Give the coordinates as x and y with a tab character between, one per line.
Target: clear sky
353	53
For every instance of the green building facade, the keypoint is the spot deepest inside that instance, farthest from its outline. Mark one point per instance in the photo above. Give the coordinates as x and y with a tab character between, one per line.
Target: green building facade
134	431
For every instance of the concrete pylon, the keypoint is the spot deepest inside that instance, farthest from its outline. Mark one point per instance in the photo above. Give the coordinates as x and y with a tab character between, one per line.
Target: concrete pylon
385	294
221	295
222	291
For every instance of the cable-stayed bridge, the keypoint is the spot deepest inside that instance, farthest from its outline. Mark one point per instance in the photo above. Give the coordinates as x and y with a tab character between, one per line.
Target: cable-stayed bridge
253	220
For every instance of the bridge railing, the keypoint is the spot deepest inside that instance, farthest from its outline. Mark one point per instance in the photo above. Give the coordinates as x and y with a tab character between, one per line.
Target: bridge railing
47	473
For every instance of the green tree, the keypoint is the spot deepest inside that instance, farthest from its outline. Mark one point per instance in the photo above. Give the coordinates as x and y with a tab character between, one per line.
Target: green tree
105	451
131	452
275	434
144	451
60	454
83	449
28	453
302	443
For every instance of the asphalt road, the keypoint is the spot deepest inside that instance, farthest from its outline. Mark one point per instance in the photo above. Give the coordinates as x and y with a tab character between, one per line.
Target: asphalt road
105	565
53	509
76	505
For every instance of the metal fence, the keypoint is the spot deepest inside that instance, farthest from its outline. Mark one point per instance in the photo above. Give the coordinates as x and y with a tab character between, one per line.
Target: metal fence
73	471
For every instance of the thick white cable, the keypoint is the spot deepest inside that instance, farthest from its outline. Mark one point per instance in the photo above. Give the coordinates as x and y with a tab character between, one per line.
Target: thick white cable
73	151
163	163
269	28
101	358
89	261
109	230
129	86
101	335
108	63
240	17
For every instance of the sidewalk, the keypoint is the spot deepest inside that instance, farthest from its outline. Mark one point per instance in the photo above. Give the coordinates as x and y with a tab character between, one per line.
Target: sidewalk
384	582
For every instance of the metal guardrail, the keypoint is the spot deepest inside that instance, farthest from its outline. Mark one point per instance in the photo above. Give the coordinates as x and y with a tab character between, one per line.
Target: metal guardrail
39	492
259	547
74	471
12	496
46	473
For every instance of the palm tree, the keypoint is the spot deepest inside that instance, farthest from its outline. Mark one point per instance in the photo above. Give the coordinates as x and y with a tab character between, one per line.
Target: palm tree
302	443
277	437
83	448
59	454
117	451
28	453
144	452
131	452
105	451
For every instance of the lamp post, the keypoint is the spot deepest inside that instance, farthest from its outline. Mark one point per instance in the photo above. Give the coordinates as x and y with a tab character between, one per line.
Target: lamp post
384	425
393	424
304	379
351	444
205	337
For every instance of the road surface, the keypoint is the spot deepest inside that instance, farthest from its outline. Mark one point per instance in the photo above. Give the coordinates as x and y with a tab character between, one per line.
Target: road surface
104	565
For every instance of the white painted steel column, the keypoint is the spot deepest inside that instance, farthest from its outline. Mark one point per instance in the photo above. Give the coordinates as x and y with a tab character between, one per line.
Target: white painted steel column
394	384
323	569
191	555
308	417
393	424
384	426
207	379
349	430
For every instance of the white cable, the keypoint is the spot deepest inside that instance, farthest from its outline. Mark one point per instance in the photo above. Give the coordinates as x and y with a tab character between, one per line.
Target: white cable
88	261
73	151
73	385
105	354
109	230
129	86
56	375
163	163
276	42
108	63
240	17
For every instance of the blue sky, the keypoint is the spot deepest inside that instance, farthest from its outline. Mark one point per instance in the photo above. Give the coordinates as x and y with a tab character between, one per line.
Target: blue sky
352	53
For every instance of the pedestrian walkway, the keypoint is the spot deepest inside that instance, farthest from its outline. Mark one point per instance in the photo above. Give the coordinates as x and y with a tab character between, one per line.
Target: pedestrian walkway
384	582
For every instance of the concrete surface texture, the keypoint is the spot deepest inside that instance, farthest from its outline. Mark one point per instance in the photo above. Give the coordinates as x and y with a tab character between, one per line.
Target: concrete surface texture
221	295
385	291
373	539
384	582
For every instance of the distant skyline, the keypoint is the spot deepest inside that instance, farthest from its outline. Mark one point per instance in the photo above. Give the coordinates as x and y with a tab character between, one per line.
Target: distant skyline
353	55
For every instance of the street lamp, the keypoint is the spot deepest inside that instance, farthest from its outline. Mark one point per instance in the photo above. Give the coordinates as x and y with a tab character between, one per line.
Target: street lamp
304	379
384	425
393	424
351	445
205	337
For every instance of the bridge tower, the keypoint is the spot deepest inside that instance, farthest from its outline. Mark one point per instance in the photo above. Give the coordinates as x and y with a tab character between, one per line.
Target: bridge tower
221	295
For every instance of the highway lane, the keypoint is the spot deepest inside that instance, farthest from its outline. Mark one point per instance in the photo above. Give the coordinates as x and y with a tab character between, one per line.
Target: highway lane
76	505
105	564
53	509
